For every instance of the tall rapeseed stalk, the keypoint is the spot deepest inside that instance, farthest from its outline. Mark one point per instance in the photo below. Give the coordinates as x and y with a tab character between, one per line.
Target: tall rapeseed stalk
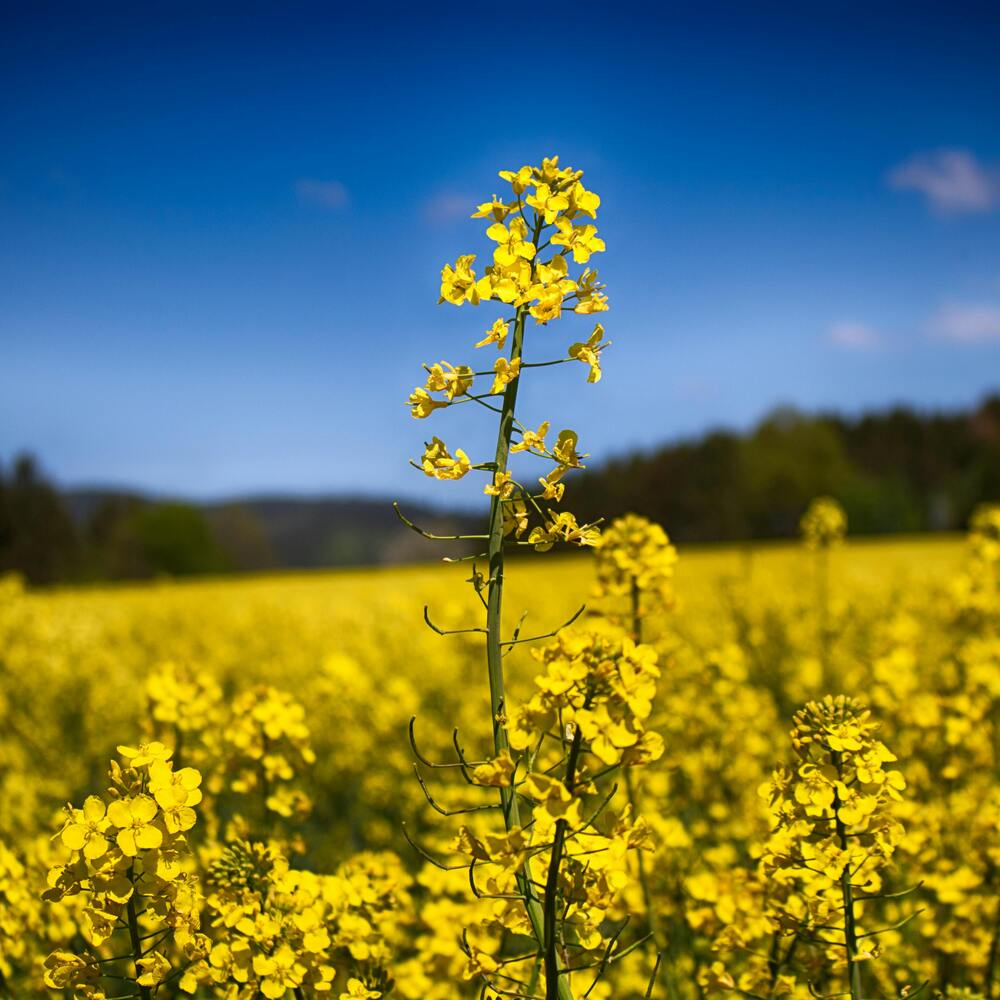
596	689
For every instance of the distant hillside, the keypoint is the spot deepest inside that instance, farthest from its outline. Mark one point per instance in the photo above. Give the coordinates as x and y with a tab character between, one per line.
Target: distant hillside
897	470
262	532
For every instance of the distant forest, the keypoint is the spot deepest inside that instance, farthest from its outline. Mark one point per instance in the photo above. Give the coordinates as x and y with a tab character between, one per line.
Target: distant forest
895	471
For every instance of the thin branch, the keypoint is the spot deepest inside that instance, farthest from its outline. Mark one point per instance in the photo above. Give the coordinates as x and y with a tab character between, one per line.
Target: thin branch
448	631
427	763
449	812
893	927
548	635
427	857
427	534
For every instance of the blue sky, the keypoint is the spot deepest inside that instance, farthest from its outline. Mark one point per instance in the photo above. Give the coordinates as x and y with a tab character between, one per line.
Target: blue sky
223	225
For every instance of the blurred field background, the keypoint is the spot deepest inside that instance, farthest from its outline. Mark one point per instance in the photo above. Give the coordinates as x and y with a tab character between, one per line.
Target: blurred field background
909	623
352	646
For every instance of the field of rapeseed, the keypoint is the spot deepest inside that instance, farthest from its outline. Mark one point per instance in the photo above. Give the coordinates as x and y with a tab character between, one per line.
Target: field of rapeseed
291	697
770	772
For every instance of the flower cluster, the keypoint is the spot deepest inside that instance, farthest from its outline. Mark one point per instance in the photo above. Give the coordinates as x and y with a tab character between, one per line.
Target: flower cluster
548	209
976	591
835	828
834	809
281	931
984	533
266	740
19	916
824	524
184	704
129	860
584	721
635	560
558	201
600	684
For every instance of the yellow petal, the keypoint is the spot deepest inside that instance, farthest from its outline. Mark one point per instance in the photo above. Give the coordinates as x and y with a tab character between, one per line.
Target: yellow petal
148	837
118	813
95	847
93	809
126	843
74	836
143	808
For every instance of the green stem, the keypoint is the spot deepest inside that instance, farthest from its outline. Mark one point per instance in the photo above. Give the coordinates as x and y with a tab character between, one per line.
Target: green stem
553	980
136	940
494	612
850	931
636	601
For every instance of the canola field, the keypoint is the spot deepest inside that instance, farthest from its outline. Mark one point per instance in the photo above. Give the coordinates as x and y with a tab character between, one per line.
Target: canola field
262	831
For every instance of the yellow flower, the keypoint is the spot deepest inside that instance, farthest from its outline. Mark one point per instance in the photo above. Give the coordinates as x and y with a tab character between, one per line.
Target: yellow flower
554	801
549	303
450	379
84	831
155	968
64	969
134	818
548	203
479	963
438	463
145	753
278	973
824	524
504	373
533	441
582	200
607	736
552	489
551	173
422	404
589	353
176	792
635	557
495	209
582	240
514	516
563	527
458	283
501	486
554	271
519	180
505	849
512	241
356	990
564	451
510	284
496	334
590	297
496	772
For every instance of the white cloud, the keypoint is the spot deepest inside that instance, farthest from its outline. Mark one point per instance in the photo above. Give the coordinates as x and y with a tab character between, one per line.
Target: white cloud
329	194
448	206
967	324
952	180
853	336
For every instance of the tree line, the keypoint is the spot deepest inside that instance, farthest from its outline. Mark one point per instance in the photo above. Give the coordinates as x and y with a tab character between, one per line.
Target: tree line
899	470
